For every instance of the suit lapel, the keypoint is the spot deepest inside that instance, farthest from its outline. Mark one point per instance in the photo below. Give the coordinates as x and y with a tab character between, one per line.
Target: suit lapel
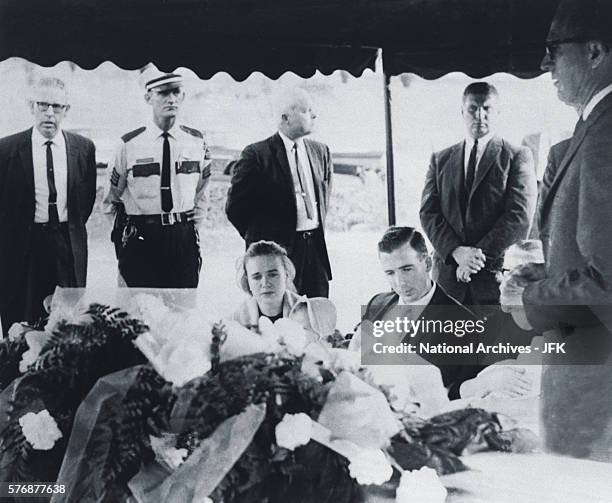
278	147
314	161
488	158
71	167
456	166
25	154
575	142
383	308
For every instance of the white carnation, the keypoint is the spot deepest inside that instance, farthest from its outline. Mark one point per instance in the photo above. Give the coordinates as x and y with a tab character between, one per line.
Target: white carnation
370	466
40	429
294	430
16	331
421	485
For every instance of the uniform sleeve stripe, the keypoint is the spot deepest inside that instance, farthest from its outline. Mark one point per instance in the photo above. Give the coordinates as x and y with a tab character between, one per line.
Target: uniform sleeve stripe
115	177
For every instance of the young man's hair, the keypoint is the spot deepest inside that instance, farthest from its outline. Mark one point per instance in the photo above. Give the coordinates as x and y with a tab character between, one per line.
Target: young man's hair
396	236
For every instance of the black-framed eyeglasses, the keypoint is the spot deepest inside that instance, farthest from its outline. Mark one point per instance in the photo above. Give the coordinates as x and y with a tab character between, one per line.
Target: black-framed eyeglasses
43	106
552	46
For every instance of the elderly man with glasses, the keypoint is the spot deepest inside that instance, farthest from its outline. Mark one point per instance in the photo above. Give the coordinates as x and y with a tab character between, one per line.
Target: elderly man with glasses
570	298
47	192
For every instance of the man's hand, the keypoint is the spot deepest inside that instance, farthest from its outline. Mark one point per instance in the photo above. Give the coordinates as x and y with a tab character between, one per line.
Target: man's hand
512	287
463	274
469	257
507	380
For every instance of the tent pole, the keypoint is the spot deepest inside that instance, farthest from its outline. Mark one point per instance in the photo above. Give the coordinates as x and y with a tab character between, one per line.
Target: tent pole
389	142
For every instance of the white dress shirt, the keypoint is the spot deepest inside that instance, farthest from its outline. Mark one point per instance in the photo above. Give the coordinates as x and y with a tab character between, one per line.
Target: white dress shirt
482	146
303	222
135	173
595	100
60	169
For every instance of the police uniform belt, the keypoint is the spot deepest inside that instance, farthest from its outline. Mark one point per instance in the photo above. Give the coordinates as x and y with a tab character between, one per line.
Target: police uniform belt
163	218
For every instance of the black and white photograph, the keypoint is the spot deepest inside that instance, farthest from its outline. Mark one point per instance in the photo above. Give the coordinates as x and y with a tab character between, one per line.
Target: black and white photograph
265	251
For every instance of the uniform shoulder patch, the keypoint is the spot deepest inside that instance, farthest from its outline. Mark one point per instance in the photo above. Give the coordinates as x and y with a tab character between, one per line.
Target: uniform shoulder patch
132	134
191	131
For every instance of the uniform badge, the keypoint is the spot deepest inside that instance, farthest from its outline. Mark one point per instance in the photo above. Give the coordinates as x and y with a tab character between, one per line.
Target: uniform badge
187	167
148	169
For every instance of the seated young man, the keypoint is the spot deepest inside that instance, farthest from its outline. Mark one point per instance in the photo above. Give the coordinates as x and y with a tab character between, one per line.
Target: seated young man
406	263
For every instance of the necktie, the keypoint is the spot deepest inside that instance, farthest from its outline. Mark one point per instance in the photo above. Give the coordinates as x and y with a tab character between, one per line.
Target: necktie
471	169
53	215
166	191
303	184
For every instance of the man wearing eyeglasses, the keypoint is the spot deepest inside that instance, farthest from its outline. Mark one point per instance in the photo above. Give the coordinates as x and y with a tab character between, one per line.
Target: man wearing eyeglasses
158	180
47	192
570	299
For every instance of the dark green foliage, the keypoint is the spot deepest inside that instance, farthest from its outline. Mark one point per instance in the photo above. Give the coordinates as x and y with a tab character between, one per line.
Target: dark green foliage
440	441
338	340
209	400
10	356
72	360
266	473
144	411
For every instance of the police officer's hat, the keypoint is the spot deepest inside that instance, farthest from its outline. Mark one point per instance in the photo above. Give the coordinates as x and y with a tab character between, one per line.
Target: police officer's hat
165	81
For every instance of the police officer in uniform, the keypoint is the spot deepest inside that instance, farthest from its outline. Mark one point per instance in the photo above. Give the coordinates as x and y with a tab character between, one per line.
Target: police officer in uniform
158	181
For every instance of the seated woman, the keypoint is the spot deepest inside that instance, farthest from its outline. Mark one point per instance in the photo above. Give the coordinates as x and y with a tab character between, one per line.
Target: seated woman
266	273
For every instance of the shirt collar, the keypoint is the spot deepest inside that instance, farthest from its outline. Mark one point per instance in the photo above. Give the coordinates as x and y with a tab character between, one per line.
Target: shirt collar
157	131
423	301
482	142
39	139
595	100
289	142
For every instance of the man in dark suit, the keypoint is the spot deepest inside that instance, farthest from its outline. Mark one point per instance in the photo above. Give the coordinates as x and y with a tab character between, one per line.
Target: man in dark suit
280	192
47	192
555	157
479	198
406	263
570	299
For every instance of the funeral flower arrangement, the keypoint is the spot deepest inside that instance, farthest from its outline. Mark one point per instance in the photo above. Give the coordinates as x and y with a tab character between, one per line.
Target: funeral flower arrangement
217	413
46	375
259	417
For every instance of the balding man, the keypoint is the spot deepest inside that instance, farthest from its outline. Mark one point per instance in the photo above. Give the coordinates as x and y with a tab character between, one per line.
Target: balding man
571	296
280	192
47	192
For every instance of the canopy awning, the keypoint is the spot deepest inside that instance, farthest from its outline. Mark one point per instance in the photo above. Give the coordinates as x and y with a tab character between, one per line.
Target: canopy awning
426	37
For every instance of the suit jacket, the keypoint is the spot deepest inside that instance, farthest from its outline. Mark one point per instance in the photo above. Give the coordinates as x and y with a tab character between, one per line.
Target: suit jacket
441	307
499	211
572	303
555	157
261	200
17	204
